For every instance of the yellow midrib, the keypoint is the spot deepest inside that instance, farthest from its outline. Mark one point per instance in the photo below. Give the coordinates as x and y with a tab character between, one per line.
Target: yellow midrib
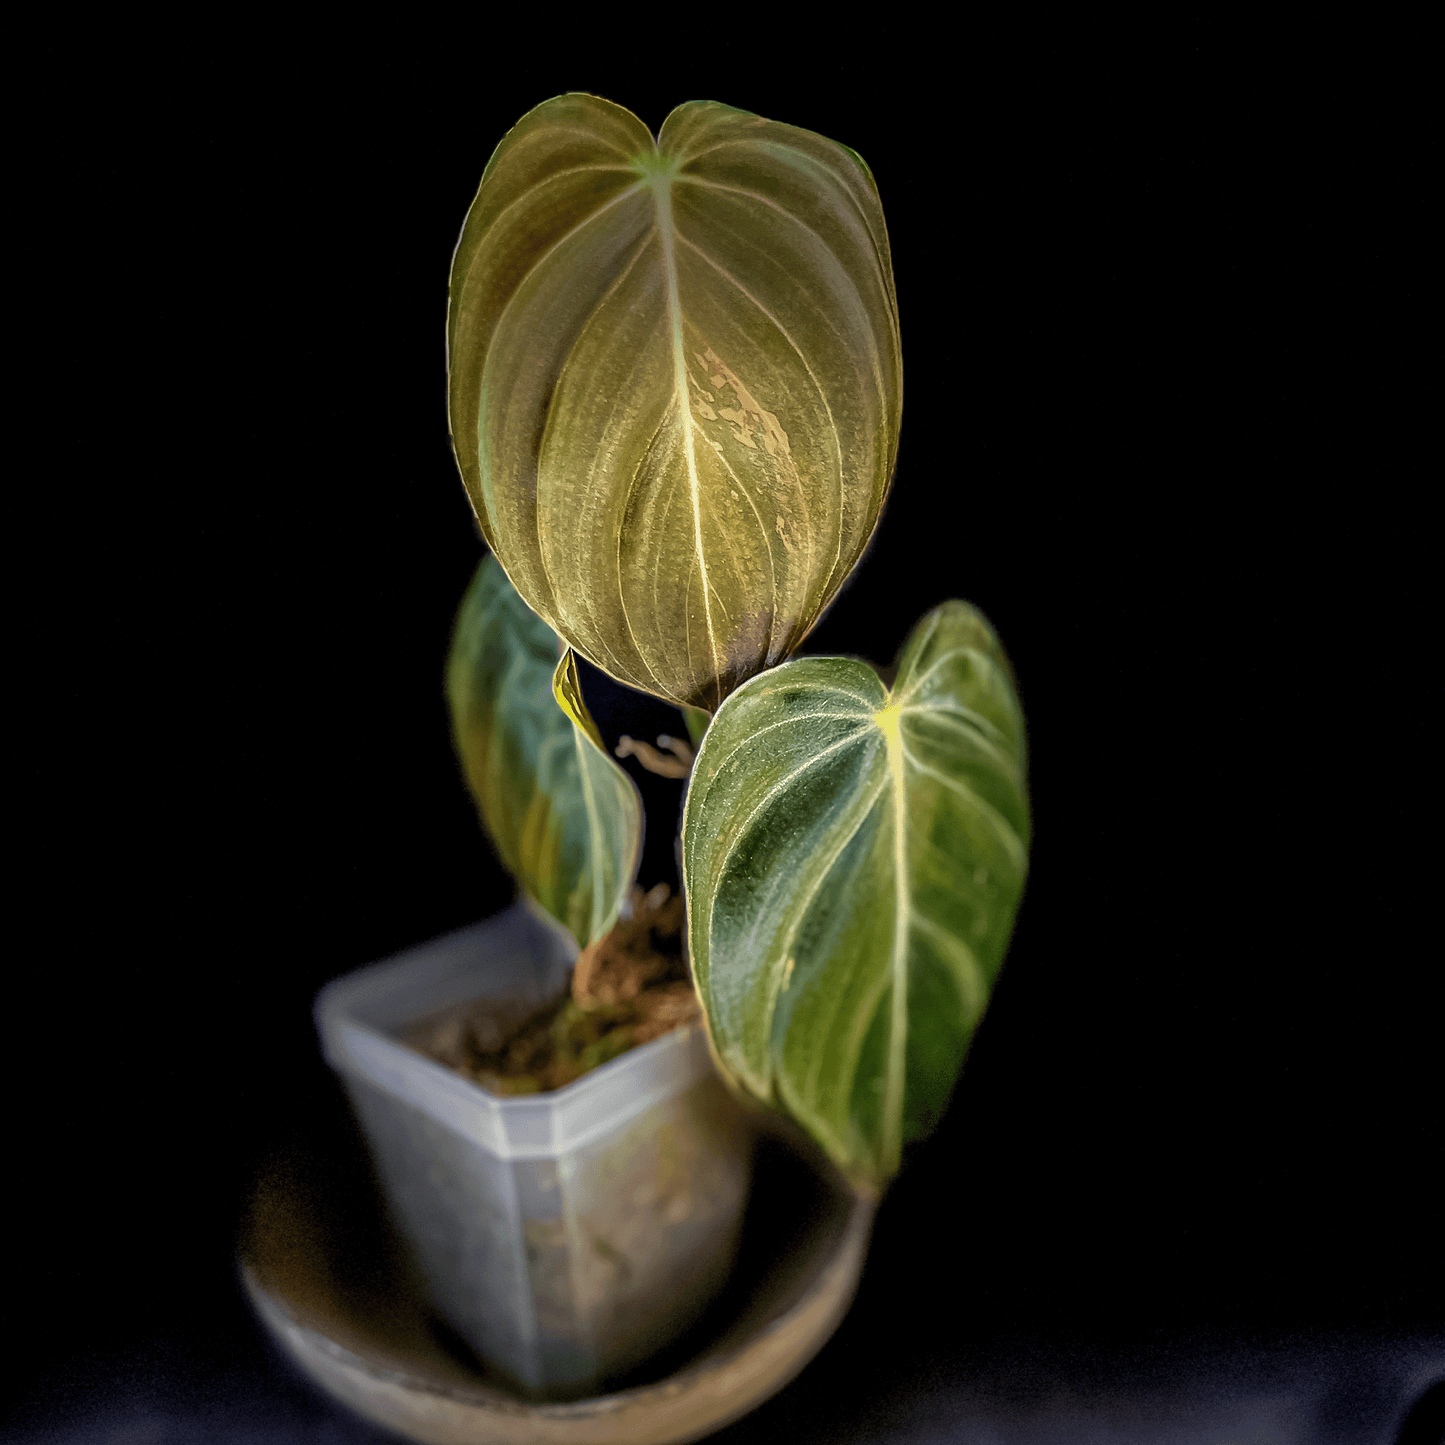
888	721
661	183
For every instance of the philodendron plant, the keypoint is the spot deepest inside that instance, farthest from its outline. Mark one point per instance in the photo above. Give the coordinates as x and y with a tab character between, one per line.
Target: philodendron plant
675	389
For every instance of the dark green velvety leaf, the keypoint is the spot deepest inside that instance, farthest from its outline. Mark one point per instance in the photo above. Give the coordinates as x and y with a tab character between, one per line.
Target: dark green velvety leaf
854	859
564	817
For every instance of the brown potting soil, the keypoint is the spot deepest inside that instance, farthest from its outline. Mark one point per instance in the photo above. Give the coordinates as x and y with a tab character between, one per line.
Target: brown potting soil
627	988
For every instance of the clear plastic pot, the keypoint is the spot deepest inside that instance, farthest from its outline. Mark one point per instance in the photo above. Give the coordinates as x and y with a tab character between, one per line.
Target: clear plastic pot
564	1236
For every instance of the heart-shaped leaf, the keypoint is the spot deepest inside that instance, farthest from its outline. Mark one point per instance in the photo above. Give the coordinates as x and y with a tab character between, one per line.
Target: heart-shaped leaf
853	861
564	817
675	382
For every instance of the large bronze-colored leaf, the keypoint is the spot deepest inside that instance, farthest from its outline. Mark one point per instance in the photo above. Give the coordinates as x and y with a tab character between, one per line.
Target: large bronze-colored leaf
853	861
675	382
565	818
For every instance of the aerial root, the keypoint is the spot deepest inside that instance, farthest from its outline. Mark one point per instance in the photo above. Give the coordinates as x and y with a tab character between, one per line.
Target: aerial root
679	765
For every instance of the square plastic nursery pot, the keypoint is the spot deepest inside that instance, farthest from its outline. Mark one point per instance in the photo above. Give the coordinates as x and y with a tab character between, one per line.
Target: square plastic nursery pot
566	1236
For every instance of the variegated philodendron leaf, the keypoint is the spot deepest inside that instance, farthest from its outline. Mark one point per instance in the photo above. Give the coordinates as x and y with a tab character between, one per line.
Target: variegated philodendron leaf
853	859
565	818
675	382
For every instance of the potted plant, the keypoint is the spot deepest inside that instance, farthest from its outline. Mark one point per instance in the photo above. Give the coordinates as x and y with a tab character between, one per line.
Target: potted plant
675	392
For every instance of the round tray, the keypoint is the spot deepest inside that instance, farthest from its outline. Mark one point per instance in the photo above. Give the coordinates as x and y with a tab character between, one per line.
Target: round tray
331	1283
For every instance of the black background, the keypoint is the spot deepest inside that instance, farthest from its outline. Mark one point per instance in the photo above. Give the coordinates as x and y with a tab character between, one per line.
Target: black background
1144	286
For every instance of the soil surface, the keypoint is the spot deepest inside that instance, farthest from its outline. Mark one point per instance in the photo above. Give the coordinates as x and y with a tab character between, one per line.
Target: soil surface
627	988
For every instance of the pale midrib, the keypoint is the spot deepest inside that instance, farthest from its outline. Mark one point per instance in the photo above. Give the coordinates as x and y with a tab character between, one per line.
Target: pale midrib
662	196
892	1140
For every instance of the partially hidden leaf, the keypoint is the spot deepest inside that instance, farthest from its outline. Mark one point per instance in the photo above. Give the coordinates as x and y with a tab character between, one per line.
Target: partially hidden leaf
696	721
854	859
610	798
675	382
566	820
